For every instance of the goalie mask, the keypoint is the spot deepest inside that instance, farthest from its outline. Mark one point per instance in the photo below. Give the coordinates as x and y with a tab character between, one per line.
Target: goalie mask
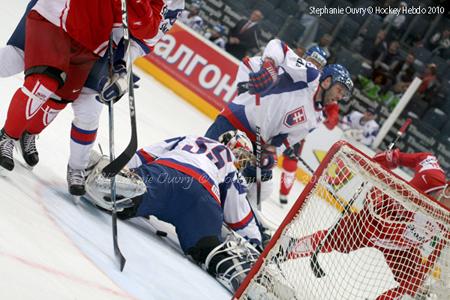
241	146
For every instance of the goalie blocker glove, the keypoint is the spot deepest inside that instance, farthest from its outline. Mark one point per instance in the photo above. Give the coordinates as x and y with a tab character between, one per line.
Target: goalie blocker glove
388	159
264	79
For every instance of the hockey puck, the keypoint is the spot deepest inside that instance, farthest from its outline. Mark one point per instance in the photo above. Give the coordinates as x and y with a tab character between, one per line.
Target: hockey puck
161	233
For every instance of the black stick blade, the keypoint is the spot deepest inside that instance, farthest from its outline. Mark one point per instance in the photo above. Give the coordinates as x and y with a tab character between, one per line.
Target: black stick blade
114	167
315	267
119	256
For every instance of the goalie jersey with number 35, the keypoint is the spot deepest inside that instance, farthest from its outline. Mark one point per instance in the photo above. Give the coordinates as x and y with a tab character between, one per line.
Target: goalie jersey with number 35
212	165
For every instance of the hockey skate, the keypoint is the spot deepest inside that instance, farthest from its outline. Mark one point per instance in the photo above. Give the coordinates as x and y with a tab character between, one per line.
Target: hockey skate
75	181
6	151
76	178
27	144
98	187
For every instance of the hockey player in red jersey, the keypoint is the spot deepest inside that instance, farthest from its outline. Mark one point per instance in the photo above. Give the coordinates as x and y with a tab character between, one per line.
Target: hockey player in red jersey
87	108
384	224
62	43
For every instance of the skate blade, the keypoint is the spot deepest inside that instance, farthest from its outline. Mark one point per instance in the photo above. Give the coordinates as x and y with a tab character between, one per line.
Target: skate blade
76	199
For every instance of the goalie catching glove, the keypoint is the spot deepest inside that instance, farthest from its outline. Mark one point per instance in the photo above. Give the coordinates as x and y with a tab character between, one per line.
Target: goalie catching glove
98	187
264	79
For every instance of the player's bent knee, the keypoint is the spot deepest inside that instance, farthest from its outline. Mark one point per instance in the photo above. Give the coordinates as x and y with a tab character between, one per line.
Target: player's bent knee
48	71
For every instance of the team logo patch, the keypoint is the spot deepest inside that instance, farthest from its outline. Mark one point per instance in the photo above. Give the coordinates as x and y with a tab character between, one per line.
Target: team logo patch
295	117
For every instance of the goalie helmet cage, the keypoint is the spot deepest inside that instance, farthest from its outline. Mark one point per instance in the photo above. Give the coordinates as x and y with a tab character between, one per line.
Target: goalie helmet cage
386	213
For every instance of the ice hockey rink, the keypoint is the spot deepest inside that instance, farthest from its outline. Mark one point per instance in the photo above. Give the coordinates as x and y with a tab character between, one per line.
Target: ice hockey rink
51	248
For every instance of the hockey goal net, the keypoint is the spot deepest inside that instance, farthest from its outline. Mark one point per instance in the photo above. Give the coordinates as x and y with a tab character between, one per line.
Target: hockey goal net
385	240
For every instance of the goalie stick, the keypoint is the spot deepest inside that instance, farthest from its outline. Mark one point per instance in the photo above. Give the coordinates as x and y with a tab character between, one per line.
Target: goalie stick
314	263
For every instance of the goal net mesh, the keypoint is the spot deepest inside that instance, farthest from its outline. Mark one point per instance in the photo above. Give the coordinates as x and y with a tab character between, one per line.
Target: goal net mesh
374	237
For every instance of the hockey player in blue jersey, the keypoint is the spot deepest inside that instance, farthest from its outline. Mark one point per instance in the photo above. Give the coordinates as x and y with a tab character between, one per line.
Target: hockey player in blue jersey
98	86
292	93
193	183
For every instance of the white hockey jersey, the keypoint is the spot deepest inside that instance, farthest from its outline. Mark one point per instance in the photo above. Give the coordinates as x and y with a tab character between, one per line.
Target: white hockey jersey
288	109
368	130
212	165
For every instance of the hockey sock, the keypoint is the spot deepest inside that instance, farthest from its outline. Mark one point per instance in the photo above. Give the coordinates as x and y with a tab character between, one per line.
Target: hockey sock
44	116
288	175
81	143
27	102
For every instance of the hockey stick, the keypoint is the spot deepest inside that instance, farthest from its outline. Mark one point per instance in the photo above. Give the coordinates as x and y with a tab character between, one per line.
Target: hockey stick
314	263
117	251
400	133
258	154
117	164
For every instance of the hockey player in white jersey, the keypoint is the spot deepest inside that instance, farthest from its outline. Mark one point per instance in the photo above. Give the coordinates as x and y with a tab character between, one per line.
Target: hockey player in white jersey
318	57
193	183
361	127
98	86
291	92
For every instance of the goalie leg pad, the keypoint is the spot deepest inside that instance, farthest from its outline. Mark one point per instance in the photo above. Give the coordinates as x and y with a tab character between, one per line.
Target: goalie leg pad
231	261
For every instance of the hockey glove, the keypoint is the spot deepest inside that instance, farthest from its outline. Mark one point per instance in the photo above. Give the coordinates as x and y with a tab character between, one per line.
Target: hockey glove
264	79
268	157
295	151
389	158
112	89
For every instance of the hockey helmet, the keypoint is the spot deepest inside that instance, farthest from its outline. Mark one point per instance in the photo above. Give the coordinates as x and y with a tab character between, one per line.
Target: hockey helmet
241	147
338	74
318	54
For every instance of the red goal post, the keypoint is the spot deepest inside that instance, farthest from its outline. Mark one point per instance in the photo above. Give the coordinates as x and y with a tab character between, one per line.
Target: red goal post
393	240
